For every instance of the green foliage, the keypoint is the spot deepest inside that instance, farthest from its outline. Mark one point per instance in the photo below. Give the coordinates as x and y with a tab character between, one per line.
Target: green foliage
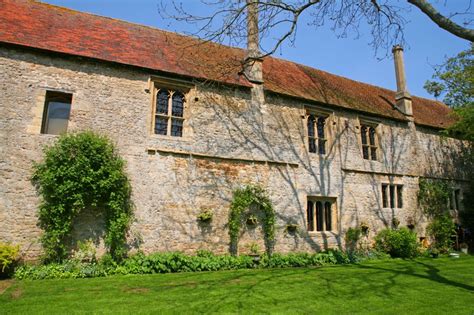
455	78
441	229
242	199
433	197
205	215
464	126
353	236
8	257
179	262
397	243
82	171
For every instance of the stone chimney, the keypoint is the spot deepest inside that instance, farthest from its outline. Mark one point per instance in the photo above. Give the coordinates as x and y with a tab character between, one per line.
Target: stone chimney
402	97
252	63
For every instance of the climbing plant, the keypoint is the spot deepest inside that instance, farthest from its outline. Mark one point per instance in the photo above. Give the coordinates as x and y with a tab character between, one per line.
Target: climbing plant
82	171
433	197
243	198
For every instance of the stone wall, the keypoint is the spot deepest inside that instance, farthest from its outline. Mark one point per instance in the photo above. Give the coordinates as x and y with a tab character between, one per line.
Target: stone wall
228	141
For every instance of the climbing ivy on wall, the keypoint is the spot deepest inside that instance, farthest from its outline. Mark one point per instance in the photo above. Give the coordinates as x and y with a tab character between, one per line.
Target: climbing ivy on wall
243	198
433	198
82	171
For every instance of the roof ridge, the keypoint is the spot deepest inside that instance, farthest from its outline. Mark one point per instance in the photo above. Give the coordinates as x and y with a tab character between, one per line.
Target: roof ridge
36	24
203	41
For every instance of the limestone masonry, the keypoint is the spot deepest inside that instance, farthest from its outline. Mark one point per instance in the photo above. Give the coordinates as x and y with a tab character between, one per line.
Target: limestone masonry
331	153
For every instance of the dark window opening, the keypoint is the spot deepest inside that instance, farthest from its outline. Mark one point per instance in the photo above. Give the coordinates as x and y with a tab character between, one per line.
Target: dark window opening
57	108
328	216
310	215
369	142
319	215
399	196
384	196
392	196
316	134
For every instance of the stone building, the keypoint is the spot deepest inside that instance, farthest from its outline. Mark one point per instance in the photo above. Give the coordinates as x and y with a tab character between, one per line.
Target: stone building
331	152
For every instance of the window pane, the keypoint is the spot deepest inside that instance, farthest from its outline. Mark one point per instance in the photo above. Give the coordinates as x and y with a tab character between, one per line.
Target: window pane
373	153
372	135
161	125
312	145
319	216
321	122
56	114
365	152
311	126
58	117
384	196
176	127
399	196
162	102
392	196
178	101
363	134
322	146
328	216
310	215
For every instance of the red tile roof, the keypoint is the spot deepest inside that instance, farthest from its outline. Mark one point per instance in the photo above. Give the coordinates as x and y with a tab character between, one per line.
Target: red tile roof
52	28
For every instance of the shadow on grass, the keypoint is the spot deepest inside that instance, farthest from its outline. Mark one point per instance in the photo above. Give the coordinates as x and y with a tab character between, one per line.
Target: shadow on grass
430	273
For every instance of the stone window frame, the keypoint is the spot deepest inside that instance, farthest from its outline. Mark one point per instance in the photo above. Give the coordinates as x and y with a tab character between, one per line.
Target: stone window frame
392	195
48	97
315	224
318	113
372	146
157	83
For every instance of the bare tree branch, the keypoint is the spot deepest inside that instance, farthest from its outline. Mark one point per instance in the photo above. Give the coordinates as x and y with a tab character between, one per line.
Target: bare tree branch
442	21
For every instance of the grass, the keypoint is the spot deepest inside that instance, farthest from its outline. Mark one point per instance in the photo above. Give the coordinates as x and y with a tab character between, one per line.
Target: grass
422	286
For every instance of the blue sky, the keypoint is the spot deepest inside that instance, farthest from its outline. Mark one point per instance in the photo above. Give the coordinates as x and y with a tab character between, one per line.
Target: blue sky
427	45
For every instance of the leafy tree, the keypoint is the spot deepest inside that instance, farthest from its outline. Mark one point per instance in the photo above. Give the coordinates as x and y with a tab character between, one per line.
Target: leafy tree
82	171
455	79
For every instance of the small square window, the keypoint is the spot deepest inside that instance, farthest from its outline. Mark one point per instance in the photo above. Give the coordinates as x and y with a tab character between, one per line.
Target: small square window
57	108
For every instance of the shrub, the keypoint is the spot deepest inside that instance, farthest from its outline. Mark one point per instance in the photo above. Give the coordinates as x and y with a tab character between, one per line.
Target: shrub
8	257
397	243
353	236
205	215
441	229
179	262
82	171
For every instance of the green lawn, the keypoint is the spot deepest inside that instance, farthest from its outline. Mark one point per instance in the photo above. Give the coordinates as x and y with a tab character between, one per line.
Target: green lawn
423	286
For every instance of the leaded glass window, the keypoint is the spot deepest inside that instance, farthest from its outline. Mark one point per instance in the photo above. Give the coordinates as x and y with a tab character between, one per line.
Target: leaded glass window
317	133
368	137
169	113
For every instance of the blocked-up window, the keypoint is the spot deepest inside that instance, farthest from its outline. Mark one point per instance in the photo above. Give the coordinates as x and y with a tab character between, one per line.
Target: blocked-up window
317	133
320	214
169	112
57	107
369	141
392	196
